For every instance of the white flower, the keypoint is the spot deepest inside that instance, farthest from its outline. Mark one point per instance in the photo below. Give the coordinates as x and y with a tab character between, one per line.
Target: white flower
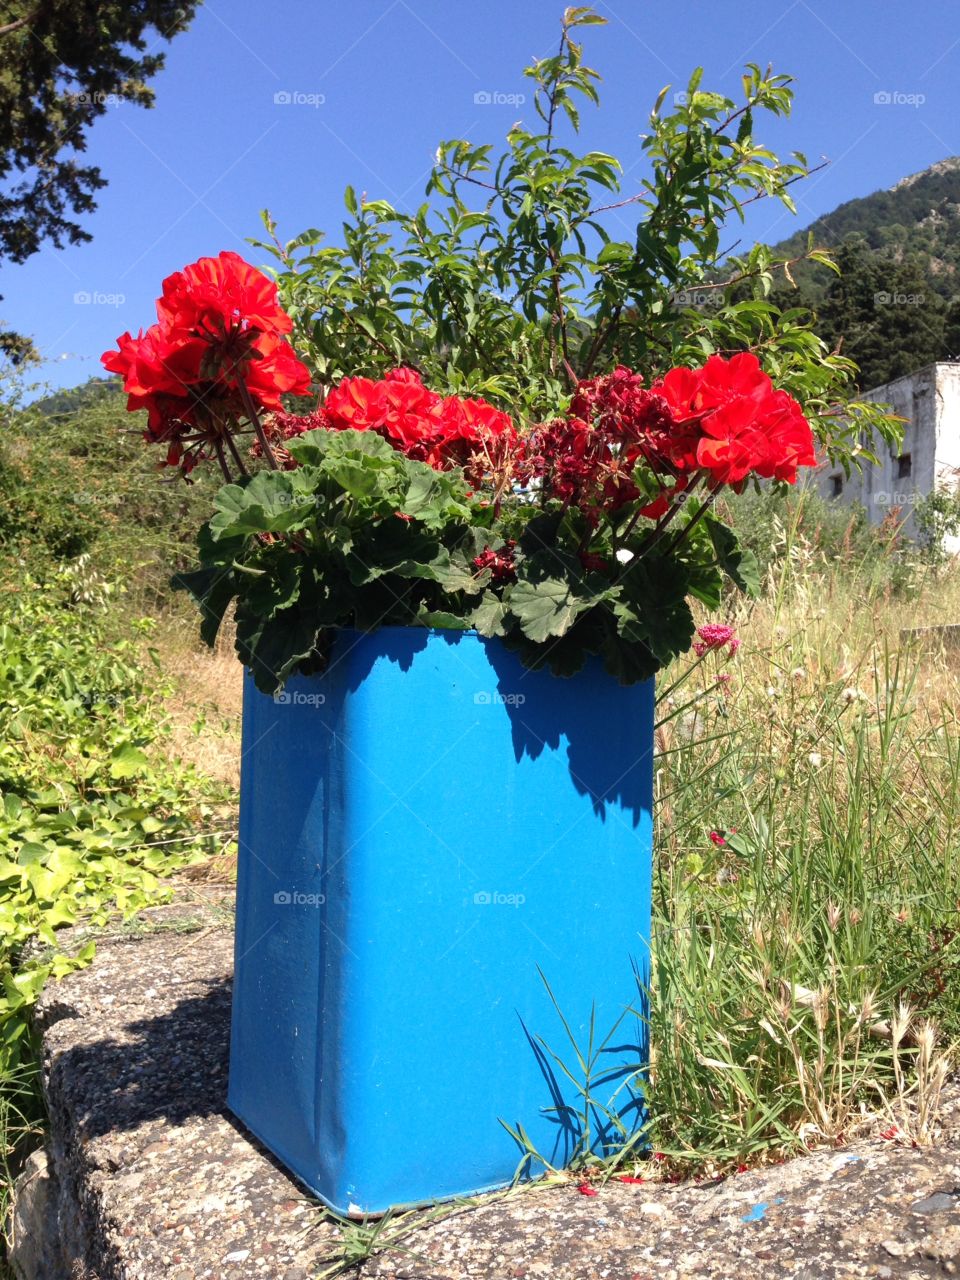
624	556
815	758
852	694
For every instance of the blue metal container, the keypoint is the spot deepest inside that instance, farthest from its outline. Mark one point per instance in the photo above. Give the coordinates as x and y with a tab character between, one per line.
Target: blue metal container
430	835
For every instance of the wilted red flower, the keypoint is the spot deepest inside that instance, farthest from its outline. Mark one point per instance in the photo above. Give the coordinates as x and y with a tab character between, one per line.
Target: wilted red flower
500	563
594	563
586	1189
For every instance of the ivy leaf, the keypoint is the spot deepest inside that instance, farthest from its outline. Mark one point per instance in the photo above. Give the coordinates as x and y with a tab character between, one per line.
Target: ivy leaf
489	616
273	648
277	588
128	762
442	619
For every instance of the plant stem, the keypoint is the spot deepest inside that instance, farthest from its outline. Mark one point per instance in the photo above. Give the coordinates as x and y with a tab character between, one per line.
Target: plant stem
223	463
254	417
232	444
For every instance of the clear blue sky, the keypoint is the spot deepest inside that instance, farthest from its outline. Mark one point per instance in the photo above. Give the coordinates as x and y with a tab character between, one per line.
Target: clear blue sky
376	83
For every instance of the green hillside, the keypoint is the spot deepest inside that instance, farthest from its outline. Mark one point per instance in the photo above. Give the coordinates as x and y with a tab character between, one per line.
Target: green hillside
896	305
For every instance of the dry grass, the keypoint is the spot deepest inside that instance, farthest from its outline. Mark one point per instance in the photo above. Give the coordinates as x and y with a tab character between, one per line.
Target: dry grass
204	707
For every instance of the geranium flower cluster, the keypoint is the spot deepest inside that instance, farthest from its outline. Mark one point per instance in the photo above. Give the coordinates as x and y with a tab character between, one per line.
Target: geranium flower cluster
443	431
723	423
217	353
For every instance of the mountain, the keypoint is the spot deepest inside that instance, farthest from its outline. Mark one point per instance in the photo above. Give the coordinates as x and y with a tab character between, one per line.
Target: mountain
897	304
72	400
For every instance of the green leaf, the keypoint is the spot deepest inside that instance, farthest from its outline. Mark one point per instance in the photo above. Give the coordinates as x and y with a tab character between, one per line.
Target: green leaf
739	565
545	608
489	616
272	502
213	589
128	762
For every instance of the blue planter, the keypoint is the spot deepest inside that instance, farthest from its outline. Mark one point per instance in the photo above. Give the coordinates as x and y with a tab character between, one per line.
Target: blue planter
429	830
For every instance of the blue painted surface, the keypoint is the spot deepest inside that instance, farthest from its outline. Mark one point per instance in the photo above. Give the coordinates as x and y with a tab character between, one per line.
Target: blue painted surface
421	827
758	1212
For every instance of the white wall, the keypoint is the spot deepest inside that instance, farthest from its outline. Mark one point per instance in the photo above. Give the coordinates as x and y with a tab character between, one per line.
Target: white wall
929	401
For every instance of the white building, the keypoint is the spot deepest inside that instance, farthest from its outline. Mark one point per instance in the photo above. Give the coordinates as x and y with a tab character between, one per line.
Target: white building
929	401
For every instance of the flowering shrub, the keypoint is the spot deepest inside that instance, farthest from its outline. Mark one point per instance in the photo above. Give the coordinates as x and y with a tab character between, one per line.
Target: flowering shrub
391	503
517	424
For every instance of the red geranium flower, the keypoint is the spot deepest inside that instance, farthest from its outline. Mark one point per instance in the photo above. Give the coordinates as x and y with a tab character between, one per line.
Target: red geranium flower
216	355
743	424
214	295
445	433
399	407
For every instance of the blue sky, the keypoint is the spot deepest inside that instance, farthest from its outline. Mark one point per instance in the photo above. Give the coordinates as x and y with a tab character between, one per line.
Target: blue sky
280	105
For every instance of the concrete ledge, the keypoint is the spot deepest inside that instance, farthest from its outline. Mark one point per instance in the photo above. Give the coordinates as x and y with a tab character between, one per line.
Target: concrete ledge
146	1177
146	1174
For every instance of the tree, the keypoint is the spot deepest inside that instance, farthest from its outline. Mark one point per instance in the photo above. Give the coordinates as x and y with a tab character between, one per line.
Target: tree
509	282
62	64
885	313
